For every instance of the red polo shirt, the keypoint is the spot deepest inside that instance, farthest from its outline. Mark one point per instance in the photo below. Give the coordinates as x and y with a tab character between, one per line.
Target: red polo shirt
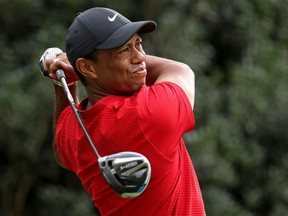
152	122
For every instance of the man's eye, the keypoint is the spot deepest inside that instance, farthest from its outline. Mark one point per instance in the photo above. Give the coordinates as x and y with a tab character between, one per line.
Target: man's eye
139	44
124	50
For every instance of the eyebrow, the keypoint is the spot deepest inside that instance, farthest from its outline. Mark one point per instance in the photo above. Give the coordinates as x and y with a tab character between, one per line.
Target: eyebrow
138	39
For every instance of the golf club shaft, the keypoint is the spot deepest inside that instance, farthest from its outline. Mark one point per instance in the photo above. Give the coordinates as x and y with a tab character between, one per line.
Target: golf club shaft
61	77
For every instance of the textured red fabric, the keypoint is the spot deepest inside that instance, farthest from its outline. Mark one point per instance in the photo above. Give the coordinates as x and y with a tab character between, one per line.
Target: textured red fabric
152	122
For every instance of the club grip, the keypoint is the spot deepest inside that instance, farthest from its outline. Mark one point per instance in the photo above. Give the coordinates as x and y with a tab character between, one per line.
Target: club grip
60	74
50	53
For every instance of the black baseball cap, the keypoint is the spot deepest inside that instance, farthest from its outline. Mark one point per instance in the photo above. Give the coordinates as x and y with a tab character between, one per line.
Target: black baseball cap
99	29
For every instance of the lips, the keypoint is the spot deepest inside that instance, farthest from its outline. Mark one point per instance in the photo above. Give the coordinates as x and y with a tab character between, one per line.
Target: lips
140	70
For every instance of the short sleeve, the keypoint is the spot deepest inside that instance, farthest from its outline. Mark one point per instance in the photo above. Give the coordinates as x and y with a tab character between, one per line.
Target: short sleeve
165	115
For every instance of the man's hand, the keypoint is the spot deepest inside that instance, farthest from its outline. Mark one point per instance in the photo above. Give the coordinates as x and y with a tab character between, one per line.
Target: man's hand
54	59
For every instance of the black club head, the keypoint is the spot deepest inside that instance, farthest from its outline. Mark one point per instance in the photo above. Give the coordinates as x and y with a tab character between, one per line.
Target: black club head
127	173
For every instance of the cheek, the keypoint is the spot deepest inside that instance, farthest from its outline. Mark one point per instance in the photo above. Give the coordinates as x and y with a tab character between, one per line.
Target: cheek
116	75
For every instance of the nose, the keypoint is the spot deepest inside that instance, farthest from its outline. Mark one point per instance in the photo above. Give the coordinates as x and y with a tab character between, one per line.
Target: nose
138	56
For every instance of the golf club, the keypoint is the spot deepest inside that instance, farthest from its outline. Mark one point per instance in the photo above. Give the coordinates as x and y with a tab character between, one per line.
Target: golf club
127	173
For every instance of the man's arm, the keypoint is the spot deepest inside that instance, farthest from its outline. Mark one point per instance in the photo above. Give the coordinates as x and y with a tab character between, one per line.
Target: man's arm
60	98
165	70
60	103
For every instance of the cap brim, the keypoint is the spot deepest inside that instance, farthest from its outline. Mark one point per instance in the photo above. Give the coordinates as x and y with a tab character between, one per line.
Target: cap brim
125	33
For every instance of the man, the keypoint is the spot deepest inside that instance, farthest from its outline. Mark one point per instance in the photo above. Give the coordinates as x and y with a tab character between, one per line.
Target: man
135	102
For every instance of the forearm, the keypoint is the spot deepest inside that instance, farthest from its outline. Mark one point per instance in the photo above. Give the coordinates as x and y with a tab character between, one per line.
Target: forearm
166	70
157	67
61	101
52	60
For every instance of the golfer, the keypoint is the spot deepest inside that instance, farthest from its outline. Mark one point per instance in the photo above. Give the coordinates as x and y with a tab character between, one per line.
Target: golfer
135	102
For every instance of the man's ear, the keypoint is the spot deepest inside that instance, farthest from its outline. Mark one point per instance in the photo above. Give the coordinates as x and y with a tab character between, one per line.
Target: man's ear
85	67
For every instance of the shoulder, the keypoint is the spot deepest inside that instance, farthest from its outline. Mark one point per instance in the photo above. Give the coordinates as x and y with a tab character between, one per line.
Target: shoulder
165	103
163	93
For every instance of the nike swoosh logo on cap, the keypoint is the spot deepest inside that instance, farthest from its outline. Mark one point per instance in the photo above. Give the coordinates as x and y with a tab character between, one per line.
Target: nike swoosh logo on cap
111	19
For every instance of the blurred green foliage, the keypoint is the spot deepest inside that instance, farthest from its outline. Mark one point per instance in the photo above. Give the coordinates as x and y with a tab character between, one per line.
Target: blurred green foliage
238	51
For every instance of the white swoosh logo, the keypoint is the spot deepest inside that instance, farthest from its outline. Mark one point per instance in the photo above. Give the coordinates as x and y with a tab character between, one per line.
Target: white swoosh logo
111	19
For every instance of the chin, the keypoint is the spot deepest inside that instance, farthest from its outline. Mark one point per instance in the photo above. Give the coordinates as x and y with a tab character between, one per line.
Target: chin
136	88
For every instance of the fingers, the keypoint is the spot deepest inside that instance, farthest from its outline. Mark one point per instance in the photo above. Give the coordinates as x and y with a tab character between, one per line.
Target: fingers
54	59
61	62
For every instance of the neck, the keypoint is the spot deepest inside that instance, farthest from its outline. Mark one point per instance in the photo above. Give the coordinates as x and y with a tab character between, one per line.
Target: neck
94	95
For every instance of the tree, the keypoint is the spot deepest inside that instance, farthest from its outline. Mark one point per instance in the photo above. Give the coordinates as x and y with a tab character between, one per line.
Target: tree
238	51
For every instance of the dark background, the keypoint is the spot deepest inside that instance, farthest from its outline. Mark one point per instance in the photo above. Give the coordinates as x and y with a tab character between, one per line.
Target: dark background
238	51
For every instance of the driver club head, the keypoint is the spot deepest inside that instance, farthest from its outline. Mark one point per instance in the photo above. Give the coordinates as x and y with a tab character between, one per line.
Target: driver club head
127	173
